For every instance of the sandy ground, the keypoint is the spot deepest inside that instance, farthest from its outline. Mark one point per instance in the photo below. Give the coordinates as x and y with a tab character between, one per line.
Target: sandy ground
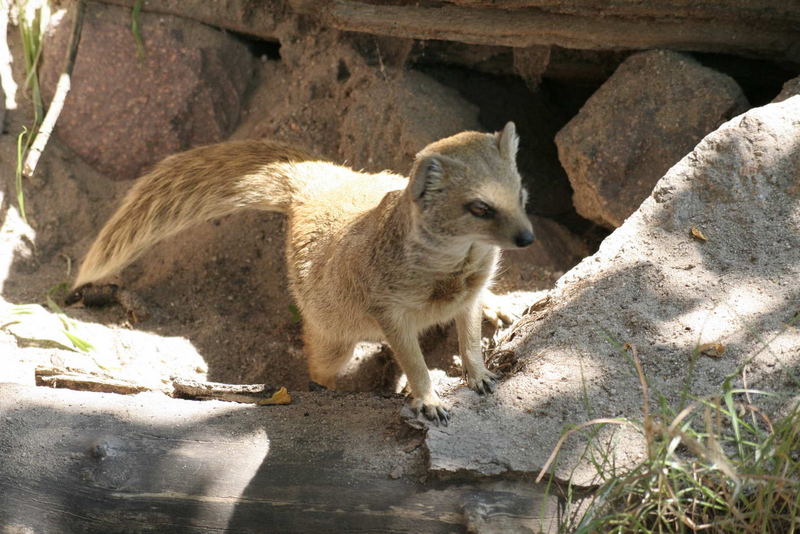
216	299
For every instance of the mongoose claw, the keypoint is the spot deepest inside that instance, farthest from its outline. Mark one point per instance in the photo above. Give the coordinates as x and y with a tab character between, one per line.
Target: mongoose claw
486	383
437	414
434	411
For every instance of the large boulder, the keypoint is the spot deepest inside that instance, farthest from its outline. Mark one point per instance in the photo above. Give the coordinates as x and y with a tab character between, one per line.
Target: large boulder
389	120
128	110
711	257
649	114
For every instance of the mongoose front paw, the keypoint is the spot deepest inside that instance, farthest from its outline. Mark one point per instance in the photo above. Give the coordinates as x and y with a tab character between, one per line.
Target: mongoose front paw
483	383
432	409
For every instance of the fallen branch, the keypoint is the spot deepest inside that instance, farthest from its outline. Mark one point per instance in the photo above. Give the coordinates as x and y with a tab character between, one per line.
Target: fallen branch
247	393
260	394
81	381
57	104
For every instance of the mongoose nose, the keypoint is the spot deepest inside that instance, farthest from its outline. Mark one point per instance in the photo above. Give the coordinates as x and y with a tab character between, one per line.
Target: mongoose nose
524	239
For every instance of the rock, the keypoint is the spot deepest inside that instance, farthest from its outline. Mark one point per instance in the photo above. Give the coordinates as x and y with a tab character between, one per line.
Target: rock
124	112
390	120
647	116
530	63
790	89
300	99
241	16
655	286
762	28
480	58
767	28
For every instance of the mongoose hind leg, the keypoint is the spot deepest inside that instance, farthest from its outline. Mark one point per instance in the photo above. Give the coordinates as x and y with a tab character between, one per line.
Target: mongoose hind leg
468	325
325	356
495	310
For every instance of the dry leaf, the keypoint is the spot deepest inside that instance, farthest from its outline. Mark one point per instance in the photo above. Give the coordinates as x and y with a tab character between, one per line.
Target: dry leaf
279	397
714	350
697	234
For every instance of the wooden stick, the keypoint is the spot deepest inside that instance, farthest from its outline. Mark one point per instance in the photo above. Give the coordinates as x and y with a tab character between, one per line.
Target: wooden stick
247	393
182	388
57	104
79	381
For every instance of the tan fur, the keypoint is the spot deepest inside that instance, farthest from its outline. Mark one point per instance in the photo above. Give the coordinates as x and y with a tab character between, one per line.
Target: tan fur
370	256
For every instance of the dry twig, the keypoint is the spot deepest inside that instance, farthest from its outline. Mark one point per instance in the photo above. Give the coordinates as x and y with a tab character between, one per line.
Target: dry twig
60	95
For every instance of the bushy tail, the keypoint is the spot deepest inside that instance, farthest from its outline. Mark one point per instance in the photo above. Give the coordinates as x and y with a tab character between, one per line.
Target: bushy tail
190	188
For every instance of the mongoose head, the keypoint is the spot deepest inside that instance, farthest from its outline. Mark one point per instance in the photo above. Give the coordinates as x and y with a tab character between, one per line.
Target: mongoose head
467	189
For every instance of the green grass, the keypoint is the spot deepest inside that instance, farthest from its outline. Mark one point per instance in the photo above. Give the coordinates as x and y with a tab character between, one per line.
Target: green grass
49	332
718	465
24	140
69	326
136	29
30	29
295	312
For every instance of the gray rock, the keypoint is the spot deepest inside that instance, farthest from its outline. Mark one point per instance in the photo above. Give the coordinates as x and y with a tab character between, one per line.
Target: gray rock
655	286
124	112
790	89
648	115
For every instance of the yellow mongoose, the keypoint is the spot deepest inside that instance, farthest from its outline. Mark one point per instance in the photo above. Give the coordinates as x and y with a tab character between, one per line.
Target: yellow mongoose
370	256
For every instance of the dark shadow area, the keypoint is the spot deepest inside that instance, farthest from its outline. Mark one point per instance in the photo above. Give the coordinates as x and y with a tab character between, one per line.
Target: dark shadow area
260	48
113	464
760	80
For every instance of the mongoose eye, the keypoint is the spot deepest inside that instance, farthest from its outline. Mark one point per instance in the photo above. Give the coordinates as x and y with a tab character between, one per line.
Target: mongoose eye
480	209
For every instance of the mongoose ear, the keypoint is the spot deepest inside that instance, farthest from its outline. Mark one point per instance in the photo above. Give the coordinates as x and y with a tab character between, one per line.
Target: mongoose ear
508	141
428	174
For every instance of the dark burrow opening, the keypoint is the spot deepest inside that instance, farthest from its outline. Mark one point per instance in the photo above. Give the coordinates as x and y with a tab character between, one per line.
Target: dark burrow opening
760	80
262	49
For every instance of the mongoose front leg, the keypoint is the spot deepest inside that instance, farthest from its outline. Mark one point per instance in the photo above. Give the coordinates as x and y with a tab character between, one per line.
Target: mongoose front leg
468	325
408	354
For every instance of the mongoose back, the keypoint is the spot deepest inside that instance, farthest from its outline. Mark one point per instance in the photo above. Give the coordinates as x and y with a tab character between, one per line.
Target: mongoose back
371	257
